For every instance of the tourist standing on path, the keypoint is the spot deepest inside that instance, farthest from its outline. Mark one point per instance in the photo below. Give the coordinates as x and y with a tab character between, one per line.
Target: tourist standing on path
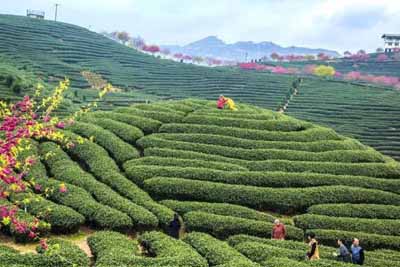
343	253
278	231
357	252
313	253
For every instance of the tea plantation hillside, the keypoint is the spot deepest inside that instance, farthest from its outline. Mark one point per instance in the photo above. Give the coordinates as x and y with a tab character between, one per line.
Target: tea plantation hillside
227	174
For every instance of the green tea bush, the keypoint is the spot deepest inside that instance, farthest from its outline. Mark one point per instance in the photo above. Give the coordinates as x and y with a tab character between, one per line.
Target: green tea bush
62	167
314	146
284	125
265	154
225	226
376	226
195	163
308	135
371	211
263	198
216	252
62	219
164	117
117	148
139	173
126	132
106	171
367	241
147	125
390	170
183	207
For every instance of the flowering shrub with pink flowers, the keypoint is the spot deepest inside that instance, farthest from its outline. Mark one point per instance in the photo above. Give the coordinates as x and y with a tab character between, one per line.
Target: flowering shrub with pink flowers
32	117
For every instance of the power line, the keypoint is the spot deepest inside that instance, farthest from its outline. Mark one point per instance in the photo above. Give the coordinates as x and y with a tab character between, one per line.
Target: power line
55	14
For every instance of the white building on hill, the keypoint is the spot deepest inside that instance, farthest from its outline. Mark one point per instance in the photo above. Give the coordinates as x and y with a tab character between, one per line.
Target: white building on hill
392	42
35	14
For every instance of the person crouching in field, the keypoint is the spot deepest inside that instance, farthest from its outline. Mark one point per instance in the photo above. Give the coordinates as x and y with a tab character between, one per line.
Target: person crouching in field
221	102
313	253
278	231
175	226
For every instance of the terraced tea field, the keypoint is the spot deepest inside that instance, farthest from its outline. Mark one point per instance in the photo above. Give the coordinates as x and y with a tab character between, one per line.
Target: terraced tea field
369	114
227	174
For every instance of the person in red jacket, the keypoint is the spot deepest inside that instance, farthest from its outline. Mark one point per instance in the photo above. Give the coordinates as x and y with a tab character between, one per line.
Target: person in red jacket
278	231
221	102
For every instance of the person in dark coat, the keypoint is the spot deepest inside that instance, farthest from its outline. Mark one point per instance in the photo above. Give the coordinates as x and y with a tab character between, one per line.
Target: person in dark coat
357	252
175	226
146	249
343	253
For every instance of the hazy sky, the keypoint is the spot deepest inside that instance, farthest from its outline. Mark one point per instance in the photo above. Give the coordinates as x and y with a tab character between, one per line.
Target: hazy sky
333	24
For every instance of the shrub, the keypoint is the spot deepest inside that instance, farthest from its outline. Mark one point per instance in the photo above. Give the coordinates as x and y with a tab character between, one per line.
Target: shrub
225	226
117	148
324	71
265	154
163	107
389	170
376	226
61	218
284	124
260	252
95	213
308	135
194	163
139	173
215	251
106	171
313	146
185	154
67	253
183	207
371	211
43	228
147	125
367	241
62	167
263	198
126	132
164	117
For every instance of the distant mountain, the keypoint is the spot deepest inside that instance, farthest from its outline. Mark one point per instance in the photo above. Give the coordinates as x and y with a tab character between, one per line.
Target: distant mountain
214	47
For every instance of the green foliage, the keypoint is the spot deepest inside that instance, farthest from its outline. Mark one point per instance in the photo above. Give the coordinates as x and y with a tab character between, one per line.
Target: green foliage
62	219
164	117
183	207
376	226
215	251
265	154
117	148
371	211
283	199
308	135
126	132
225	226
62	167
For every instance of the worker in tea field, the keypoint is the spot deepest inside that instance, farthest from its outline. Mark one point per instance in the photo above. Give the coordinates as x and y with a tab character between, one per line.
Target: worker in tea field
357	252
175	226
146	250
278	231
231	104
313	253
343	253
221	102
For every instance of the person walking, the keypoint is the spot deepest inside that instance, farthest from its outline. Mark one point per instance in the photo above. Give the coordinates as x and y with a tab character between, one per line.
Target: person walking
357	252
313	253
343	253
278	231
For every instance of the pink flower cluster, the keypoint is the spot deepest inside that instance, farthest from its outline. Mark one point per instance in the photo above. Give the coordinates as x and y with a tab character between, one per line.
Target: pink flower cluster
380	80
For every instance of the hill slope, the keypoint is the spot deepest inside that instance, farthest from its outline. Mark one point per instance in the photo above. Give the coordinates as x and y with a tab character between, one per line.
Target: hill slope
223	172
53	50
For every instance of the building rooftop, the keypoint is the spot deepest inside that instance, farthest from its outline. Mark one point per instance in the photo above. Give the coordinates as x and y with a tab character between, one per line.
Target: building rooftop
391	35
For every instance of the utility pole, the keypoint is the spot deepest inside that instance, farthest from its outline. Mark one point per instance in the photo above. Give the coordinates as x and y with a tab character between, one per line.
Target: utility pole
55	14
